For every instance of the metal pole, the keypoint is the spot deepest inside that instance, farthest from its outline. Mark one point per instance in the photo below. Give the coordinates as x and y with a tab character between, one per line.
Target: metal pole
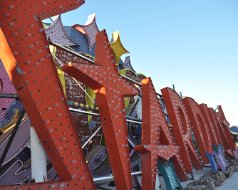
131	80
133	121
134	107
89	139
173	87
131	143
157	182
139	107
38	158
97	114
106	179
13	96
83	112
181	95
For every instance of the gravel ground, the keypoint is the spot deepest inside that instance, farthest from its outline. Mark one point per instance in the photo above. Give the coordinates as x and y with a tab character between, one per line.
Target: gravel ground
230	183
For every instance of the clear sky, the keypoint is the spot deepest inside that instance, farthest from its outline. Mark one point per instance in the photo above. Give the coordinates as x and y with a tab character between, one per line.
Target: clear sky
190	43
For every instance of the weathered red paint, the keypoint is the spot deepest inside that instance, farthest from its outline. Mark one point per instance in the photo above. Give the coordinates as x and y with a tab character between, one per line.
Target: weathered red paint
200	127
224	124
211	126
35	78
222	139
222	131
36	81
181	129
110	91
157	141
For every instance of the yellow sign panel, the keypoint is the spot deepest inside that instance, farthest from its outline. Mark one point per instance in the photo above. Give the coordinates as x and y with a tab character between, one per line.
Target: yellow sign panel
117	46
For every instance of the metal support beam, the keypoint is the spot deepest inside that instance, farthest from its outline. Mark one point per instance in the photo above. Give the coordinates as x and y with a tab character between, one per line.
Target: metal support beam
90	138
137	121
106	179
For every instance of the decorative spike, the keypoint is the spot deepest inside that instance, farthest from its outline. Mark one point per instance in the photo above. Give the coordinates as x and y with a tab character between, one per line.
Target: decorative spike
90	29
117	46
127	64
56	33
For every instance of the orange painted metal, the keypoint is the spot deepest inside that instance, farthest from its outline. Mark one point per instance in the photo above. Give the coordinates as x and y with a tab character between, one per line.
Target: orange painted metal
38	86
110	91
211	126
157	141
181	129
200	127
6	55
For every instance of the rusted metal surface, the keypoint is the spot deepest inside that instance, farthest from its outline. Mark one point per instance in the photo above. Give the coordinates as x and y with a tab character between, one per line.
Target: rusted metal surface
157	141
40	91
110	91
181	129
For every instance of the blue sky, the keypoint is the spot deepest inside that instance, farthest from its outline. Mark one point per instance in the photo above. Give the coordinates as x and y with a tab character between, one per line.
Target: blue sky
190	43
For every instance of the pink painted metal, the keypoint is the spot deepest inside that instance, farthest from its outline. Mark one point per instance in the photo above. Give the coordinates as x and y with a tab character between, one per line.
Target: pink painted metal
7	88
56	33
